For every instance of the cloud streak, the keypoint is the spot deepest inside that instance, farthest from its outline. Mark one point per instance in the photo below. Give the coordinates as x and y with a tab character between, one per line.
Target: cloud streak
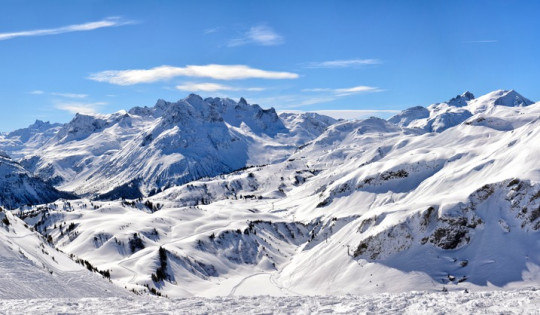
69	95
212	87
347	91
108	22
79	107
344	63
293	100
258	35
485	41
213	71
66	95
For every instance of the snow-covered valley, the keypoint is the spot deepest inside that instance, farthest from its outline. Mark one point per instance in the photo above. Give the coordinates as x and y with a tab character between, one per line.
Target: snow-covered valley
216	198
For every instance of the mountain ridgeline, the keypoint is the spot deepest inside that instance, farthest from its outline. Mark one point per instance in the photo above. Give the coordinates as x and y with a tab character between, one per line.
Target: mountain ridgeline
145	150
215	197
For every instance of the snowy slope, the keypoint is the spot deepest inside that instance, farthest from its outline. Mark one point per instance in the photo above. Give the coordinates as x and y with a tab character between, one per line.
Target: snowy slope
23	141
498	302
145	150
18	187
31	268
367	206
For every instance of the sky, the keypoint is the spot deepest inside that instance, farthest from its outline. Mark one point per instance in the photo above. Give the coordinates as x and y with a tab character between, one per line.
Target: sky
343	58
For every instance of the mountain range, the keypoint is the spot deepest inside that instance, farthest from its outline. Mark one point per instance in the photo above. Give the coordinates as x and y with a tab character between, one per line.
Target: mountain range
216	197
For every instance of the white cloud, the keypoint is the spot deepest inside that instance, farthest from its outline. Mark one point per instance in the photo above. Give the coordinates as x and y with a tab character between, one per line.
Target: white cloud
343	63
346	91
212	87
108	22
324	95
69	95
211	30
82	108
293	100
218	72
485	41
259	35
357	89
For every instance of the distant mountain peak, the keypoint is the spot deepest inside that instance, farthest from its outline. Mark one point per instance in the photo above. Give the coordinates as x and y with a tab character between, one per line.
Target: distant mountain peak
512	98
461	100
193	98
468	95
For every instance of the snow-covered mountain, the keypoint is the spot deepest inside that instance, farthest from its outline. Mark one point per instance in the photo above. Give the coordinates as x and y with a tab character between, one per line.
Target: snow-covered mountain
145	150
443	196
441	116
24	141
18	187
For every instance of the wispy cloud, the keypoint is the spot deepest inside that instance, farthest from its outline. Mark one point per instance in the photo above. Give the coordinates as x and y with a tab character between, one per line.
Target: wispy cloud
69	95
357	89
347	91
259	35
485	41
217	72
66	95
314	96
79	107
344	63
212	87
211	30
293	100
108	22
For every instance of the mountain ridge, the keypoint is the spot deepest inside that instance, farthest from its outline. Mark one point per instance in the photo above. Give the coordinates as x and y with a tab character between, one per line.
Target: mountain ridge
380	206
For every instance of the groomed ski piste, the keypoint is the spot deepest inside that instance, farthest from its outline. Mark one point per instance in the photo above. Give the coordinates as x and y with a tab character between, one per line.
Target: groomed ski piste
435	210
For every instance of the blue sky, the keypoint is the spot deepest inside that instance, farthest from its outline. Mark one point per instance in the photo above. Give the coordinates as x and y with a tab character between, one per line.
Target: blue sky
374	57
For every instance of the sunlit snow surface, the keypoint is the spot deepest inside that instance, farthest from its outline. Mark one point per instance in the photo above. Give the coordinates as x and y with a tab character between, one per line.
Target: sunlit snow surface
431	199
497	302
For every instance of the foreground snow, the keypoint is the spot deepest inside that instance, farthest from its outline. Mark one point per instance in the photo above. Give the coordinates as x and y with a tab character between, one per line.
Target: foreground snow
459	302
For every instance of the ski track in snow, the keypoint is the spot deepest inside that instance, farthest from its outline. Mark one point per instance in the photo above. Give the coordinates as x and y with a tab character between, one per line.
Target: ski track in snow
233	290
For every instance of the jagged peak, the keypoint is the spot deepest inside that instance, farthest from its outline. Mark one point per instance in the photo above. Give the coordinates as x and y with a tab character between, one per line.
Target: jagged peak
461	100
38	123
193	98
161	102
467	95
